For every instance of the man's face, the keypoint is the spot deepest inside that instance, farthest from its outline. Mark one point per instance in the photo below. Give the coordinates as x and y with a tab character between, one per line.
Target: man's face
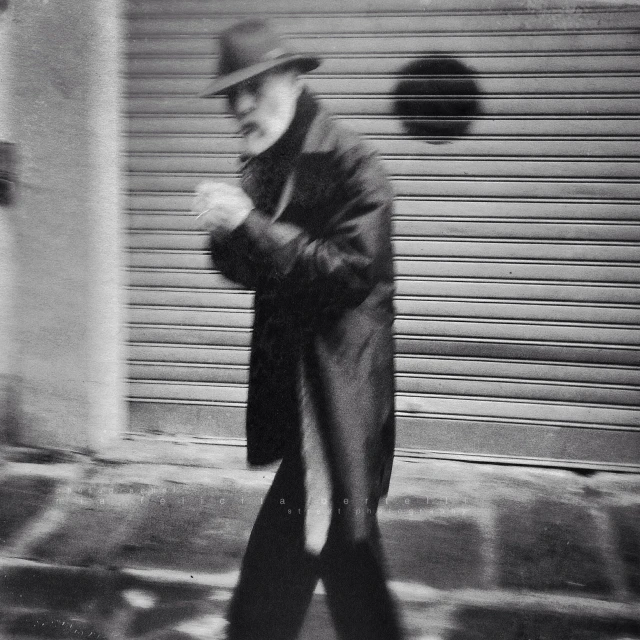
264	107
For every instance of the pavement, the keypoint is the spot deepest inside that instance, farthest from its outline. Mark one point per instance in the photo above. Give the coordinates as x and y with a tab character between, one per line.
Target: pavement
135	547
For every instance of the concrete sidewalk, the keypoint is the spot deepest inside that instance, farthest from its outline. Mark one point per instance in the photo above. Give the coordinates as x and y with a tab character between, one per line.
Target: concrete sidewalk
99	549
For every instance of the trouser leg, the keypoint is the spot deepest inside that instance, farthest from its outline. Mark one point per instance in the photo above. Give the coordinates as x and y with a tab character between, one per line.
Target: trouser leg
278	576
353	574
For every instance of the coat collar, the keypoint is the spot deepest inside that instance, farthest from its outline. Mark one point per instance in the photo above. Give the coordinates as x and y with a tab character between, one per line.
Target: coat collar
319	140
319	136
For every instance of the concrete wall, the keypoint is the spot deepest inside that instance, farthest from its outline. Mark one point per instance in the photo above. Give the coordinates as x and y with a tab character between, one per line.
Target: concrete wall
66	279
7	257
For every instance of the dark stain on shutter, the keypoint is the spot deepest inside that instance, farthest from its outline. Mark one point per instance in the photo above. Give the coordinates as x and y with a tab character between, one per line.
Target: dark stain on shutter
437	98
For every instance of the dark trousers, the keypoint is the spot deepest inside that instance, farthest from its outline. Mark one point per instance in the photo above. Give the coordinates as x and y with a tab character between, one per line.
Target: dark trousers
278	576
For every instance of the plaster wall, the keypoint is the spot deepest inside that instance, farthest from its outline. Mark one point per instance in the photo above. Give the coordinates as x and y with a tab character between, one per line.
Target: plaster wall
65	334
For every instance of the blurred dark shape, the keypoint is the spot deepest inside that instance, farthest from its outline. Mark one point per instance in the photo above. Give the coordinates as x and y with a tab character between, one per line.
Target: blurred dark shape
437	98
7	172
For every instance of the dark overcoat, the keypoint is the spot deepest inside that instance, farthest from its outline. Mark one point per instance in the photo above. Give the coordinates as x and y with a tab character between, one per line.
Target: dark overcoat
323	280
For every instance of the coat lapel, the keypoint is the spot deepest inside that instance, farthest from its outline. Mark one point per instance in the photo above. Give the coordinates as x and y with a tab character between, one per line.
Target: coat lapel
311	183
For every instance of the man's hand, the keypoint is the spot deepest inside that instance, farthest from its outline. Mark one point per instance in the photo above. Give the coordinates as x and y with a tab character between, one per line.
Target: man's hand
220	207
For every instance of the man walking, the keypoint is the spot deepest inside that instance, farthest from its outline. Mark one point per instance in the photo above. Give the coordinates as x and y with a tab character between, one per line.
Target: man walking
310	232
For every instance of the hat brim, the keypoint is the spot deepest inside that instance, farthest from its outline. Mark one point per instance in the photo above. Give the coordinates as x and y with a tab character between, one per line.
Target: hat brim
222	83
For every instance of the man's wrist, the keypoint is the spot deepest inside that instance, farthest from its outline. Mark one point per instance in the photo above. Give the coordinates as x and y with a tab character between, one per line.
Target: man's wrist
243	217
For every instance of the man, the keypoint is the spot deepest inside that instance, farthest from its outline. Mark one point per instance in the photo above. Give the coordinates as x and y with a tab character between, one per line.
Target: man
310	232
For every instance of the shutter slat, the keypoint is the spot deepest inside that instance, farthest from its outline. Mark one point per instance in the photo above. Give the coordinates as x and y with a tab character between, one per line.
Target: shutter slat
515	106
283	8
206	153
567	128
568	64
302	27
490	328
424	385
422	247
451	228
562	86
432	404
238	358
415	166
174	372
509	290
596	41
436	187
150	154
197	266
469	210
411	305
434	345
194	354
490	408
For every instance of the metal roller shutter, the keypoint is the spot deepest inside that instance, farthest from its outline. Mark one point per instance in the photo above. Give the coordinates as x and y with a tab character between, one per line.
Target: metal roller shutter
517	243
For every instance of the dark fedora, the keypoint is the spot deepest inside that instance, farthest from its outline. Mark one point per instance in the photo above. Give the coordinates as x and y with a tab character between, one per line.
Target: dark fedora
250	48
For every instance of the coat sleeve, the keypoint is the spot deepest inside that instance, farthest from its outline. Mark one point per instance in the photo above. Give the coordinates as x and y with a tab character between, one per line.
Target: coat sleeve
341	266
232	257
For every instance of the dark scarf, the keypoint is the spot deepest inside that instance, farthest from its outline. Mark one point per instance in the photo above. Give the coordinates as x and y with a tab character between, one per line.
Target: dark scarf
264	175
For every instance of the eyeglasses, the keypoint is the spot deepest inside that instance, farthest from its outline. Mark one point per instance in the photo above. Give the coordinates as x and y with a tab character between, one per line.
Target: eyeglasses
252	86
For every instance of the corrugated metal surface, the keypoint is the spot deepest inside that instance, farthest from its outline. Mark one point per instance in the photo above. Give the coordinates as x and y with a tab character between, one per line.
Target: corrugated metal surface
517	245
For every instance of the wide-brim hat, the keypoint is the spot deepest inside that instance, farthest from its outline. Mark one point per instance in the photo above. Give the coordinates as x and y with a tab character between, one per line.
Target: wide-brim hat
249	49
